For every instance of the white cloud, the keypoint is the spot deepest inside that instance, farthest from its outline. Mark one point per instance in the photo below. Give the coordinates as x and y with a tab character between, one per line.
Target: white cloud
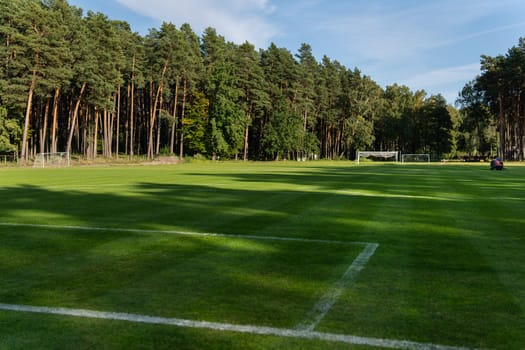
447	81
376	37
393	32
236	20
482	33
444	76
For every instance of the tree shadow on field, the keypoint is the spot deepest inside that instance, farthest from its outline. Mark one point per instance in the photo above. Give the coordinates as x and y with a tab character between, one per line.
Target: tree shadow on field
166	206
336	204
271	283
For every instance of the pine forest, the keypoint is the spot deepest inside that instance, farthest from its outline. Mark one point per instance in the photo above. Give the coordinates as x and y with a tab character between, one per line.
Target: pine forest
89	85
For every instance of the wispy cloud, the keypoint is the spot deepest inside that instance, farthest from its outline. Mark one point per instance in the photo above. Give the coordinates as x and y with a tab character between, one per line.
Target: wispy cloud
447	81
443	76
395	32
237	20
482	33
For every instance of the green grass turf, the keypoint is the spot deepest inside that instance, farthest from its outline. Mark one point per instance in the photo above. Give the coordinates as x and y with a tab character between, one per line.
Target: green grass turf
450	268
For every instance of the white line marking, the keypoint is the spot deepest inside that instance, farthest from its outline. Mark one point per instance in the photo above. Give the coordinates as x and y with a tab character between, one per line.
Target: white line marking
227	327
318	312
184	233
328	300
322	307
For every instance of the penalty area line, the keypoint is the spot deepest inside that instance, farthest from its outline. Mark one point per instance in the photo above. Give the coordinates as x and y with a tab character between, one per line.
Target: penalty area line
328	300
182	233
227	327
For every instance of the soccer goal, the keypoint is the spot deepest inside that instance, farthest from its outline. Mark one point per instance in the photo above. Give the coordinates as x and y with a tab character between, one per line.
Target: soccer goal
57	159
377	156
415	158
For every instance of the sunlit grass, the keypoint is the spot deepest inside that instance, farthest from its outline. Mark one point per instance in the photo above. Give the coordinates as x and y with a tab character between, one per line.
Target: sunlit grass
449	269
203	278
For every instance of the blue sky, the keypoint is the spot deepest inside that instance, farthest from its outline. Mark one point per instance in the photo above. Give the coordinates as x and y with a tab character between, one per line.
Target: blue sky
433	45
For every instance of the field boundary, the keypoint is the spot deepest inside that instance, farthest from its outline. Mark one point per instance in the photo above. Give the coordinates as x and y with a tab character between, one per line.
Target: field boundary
227	327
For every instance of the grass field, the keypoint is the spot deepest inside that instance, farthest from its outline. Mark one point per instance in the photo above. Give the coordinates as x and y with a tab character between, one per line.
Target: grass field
324	255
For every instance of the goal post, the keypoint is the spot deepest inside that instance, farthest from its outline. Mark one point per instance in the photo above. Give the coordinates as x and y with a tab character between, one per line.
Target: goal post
415	158
55	159
382	156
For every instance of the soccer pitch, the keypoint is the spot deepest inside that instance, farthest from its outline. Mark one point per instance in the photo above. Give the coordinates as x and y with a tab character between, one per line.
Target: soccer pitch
321	255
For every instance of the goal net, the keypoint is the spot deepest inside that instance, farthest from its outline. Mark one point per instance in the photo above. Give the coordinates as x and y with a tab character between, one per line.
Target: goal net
58	159
415	158
377	156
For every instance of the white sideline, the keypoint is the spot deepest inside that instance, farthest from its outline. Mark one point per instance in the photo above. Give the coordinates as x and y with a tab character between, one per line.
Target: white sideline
184	233
328	300
270	331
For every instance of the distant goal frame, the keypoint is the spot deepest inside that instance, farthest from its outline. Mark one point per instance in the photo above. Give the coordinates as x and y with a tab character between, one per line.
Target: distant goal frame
415	155
52	159
378	154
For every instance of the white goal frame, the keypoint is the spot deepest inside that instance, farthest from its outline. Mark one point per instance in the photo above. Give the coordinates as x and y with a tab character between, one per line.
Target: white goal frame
416	155
378	154
52	159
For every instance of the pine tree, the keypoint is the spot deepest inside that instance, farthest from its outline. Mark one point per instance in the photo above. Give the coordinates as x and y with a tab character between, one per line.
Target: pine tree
308	78
227	120
330	91
254	99
31	33
195	124
83	47
192	67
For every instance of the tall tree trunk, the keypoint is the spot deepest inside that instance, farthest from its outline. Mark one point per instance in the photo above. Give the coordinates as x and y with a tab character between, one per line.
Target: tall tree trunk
246	134
181	149
157	148
54	126
126	123
502	128
74	118
174	124
104	125
522	120
245	155
106	131
117	132
519	126
305	124
43	132
111	122
23	153
132	109
95	135
86	144
154	111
